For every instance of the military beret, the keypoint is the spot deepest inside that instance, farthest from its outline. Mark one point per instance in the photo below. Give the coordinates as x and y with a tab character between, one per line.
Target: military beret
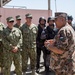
60	14
9	19
29	15
18	17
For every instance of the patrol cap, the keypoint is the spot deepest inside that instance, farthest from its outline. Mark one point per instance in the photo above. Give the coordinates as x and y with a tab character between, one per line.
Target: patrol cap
18	17
10	19
28	15
60	14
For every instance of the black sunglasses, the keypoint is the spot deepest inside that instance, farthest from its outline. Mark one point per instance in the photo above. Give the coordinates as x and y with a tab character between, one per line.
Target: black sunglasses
11	21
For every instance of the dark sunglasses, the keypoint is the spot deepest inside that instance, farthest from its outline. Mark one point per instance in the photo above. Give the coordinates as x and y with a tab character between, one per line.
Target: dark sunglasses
11	21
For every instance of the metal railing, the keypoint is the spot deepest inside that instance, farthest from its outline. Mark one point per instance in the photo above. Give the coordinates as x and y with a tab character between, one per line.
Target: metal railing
10	6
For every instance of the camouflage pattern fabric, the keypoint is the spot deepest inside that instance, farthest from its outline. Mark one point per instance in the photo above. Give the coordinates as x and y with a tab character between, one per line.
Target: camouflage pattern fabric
1	45
29	45
12	37
28	53
17	26
65	40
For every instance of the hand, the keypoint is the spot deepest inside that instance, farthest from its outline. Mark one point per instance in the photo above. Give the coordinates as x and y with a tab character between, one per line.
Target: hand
46	43
15	49
52	41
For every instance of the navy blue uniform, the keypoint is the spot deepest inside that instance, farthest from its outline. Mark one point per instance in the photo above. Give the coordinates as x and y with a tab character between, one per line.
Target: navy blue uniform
40	45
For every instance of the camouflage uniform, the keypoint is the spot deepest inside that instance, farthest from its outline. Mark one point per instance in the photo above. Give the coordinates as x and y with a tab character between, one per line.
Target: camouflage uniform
19	28
29	45
18	17
11	38
65	40
1	46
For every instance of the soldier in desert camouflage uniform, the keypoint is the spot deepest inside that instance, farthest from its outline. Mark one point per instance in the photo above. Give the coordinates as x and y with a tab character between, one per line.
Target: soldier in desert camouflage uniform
12	38
62	47
29	31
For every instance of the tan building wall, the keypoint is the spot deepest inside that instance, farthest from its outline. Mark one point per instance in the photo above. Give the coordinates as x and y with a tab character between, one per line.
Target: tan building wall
5	12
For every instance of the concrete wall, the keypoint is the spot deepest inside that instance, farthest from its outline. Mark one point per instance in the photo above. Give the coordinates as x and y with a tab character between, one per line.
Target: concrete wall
5	12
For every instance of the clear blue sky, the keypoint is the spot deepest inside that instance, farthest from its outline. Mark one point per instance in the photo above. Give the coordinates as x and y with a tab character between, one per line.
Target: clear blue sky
62	5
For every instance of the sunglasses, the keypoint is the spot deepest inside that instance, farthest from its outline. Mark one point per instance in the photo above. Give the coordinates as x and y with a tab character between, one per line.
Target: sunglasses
11	21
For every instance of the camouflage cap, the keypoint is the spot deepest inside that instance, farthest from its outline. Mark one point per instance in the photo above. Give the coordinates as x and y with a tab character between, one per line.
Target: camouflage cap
28	15
60	14
18	17
9	19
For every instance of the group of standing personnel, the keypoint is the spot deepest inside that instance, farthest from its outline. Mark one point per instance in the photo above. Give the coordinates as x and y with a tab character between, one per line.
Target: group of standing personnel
22	41
18	43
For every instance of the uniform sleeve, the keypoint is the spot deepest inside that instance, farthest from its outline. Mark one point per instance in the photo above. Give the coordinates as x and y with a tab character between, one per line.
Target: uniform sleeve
5	41
64	39
21	29
19	45
35	29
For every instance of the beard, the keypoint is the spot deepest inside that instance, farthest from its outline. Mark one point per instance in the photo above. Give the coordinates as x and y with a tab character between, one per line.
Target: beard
51	25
